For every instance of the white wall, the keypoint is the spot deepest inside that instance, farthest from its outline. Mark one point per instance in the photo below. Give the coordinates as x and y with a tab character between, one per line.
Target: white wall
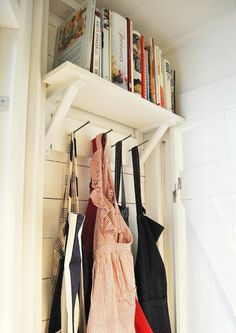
206	71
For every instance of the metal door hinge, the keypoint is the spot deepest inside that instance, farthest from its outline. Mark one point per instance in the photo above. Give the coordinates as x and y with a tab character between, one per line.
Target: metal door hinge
178	186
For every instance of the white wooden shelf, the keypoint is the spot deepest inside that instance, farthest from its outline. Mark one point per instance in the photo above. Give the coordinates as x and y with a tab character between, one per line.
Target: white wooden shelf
106	99
70	85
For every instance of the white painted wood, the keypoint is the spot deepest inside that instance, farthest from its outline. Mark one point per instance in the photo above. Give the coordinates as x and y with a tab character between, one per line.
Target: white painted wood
62	110
33	187
10	14
54	182
204	218
99	96
48	245
207	100
46	299
175	215
45	326
152	143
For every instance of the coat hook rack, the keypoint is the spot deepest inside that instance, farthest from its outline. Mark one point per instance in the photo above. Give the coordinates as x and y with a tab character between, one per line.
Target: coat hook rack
109	131
88	122
122	140
140	144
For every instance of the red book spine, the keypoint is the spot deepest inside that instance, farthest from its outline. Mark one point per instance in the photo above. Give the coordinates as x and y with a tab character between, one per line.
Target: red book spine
143	68
129	52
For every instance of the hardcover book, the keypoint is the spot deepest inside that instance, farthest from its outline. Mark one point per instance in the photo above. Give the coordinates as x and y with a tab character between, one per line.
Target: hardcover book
147	75
74	37
151	72
173	105
167	84
130	55
143	69
137	62
119	61
106	44
96	63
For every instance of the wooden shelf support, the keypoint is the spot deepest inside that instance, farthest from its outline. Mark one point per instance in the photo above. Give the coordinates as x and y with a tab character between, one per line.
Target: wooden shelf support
61	111
152	143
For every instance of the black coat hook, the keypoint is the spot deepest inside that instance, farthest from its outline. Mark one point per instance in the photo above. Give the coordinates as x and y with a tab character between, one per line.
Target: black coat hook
122	140
109	131
81	126
140	144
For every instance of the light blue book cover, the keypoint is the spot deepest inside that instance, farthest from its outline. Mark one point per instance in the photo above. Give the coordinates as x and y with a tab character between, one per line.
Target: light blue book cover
75	35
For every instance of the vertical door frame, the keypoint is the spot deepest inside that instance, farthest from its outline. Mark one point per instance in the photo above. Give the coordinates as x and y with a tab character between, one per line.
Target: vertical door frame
179	230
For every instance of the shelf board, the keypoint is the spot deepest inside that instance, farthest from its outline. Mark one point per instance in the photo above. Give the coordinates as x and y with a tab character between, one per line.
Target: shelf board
108	100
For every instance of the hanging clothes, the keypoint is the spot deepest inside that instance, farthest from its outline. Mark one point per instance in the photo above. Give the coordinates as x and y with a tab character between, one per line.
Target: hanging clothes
119	174
87	246
113	290
149	267
65	315
141	323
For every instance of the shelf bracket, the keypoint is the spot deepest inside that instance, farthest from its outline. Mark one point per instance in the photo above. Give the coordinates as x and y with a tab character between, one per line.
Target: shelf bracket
152	143
61	111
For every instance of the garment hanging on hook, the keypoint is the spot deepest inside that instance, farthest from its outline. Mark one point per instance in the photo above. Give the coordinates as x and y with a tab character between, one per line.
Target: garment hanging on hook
149	267
66	282
141	323
119	175
113	293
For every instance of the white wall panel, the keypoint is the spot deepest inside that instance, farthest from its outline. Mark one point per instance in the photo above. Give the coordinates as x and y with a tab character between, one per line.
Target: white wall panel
46	299
198	286
48	244
205	141
206	81
230	132
210	98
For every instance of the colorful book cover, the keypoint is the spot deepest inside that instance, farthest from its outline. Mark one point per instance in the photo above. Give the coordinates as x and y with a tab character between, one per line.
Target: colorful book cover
119	60
130	54
137	62
151	73
143	69
75	35
106	44
147	75
96	66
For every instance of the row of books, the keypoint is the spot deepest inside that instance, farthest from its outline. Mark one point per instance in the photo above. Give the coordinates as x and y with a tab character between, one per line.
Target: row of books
106	44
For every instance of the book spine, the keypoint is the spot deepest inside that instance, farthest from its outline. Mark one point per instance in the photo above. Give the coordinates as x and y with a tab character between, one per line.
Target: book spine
89	37
151	73
130	54
119	50
162	102
97	43
137	71
167	85
147	75
173	106
154	71
157	85
105	58
143	69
